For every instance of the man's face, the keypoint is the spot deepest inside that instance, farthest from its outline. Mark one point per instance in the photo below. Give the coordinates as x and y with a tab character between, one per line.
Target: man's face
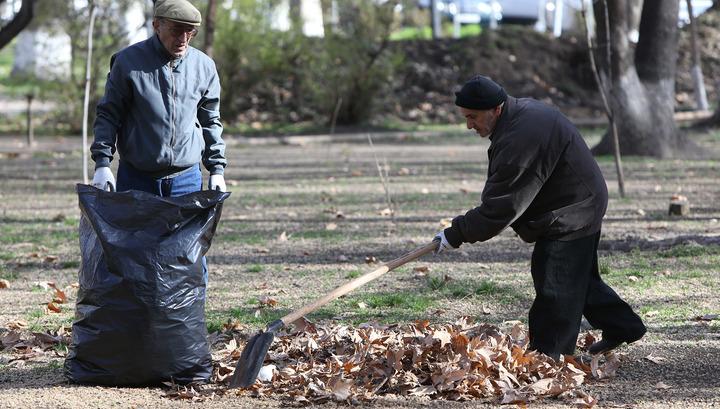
482	121
174	36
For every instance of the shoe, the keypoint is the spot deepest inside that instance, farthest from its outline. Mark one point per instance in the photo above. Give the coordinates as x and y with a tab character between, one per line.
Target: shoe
604	345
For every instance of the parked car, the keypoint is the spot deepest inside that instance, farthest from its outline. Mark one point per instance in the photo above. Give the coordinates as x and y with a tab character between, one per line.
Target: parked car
485	12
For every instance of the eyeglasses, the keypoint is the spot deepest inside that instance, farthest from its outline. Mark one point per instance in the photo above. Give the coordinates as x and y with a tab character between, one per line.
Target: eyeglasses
178	31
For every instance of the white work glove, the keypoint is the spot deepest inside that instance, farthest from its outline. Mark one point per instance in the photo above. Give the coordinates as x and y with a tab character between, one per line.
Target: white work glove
104	179
442	243
217	182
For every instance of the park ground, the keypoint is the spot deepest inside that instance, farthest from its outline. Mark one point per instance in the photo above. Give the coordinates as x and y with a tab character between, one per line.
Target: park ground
306	213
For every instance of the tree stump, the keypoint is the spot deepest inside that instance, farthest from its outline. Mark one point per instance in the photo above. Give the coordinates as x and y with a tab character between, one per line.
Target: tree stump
679	206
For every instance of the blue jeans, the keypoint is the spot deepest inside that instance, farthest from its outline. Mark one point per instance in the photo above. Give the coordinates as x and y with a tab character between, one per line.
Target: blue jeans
188	182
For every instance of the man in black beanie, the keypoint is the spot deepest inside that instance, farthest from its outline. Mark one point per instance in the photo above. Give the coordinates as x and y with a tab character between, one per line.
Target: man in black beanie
544	183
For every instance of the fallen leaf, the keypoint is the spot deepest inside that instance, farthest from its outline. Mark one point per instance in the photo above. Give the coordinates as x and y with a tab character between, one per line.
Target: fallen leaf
331	226
362	305
632	278
17	325
4	283
662	385
385	212
59	296
421	269
266	301
340	388
423	390
283	236
51	306
655	359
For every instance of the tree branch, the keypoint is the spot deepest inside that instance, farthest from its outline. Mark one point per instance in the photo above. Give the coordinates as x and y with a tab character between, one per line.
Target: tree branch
18	23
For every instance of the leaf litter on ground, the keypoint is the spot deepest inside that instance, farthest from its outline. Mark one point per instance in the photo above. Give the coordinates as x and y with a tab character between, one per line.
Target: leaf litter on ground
315	363
460	361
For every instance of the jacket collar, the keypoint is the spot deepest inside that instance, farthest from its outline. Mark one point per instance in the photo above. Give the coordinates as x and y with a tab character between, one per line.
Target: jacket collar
164	54
504	119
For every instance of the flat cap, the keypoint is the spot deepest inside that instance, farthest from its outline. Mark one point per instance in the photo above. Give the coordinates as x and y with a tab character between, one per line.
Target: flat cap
480	93
181	11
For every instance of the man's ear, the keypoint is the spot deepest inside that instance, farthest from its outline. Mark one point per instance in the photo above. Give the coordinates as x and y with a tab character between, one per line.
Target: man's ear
155	24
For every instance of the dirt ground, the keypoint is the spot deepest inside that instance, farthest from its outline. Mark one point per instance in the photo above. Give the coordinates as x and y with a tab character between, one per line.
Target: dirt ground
305	214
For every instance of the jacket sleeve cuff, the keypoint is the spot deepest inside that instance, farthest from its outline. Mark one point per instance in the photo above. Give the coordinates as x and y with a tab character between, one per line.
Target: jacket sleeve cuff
102	163
217	170
453	236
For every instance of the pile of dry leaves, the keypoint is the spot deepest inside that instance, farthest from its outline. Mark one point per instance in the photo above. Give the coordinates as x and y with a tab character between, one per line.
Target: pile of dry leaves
460	361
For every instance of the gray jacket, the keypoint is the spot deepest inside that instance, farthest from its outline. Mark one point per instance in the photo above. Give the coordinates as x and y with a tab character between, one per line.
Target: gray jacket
162	114
542	180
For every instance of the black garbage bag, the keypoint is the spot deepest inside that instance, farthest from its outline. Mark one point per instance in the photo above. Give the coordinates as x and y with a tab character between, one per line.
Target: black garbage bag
140	311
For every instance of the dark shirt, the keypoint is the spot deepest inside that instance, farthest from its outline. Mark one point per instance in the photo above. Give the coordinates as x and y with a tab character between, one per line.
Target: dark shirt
542	180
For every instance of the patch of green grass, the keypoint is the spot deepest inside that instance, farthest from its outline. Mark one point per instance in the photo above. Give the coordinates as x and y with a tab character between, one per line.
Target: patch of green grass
8	274
412	33
380	307
353	274
604	268
690	251
216	319
255	268
327	236
466	288
245	238
406	301
55	364
669	312
70	264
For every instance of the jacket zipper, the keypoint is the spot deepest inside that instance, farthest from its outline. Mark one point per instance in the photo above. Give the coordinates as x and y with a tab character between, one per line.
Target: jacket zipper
172	113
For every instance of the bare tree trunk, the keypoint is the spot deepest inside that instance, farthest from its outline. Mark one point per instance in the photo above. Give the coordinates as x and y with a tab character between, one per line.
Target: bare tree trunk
18	23
30	131
210	27
605	91
701	102
643	81
435	22
86	103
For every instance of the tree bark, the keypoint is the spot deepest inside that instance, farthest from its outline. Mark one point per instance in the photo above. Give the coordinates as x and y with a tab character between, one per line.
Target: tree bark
18	23
643	80
210	27
696	70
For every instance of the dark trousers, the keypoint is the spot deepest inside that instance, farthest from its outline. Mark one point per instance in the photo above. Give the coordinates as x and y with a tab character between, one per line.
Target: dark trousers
189	181
568	286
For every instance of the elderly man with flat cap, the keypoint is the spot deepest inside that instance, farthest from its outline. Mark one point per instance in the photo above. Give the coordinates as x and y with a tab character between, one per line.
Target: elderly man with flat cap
544	183
161	112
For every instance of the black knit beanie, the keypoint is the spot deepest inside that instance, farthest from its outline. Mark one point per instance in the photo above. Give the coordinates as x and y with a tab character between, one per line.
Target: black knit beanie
480	93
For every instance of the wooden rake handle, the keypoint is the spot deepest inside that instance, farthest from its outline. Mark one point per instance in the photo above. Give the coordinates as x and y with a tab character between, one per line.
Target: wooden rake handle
363	279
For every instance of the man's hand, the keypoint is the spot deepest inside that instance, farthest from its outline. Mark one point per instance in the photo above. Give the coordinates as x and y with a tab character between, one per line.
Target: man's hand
104	179
217	182
442	243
